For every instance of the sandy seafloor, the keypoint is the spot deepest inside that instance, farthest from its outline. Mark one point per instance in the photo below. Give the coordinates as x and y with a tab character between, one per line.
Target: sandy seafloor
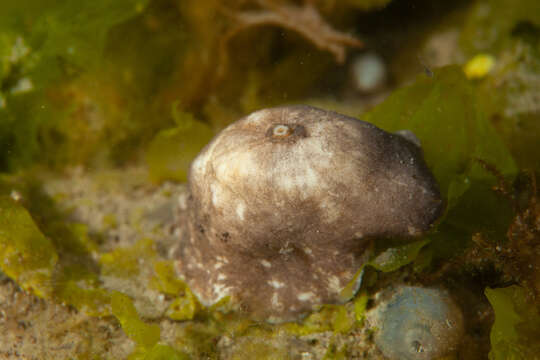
33	328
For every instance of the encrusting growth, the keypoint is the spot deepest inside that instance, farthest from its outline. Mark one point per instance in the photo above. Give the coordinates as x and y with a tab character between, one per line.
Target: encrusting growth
285	202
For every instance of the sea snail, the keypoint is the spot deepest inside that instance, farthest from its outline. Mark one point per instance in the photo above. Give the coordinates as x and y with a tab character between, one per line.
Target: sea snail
285	202
416	323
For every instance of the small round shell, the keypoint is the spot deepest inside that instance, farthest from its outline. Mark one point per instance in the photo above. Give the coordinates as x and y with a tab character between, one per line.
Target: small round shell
416	323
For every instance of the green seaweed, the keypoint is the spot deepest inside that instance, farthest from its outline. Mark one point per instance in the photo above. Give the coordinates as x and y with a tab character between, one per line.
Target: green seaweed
184	307
80	288
393	258
443	112
165	279
27	255
360	305
461	147
77	88
45	43
48	238
75	32
516	330
342	321
199	339
171	151
339	319
164	352
124	262
144	335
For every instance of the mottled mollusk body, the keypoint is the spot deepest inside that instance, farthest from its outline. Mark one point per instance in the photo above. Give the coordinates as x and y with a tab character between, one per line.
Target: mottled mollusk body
284	203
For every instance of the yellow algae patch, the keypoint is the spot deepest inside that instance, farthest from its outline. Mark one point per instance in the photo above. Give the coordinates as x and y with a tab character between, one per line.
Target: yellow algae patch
479	66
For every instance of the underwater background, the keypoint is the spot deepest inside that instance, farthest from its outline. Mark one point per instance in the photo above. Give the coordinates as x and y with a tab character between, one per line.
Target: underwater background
103	105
